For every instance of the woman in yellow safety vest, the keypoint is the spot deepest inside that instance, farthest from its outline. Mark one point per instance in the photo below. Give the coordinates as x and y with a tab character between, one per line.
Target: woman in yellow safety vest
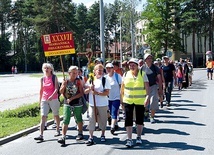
134	94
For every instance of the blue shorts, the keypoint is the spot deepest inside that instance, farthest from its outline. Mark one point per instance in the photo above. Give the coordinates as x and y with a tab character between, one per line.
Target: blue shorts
180	80
209	70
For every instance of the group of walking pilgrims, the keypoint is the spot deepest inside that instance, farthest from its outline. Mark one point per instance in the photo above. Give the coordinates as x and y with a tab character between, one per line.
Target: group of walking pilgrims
136	90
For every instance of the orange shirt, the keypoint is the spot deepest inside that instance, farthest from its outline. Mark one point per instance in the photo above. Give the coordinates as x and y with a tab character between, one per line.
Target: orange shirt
119	71
210	64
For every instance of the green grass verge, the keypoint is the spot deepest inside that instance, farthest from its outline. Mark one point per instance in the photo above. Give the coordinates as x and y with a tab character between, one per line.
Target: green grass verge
13	121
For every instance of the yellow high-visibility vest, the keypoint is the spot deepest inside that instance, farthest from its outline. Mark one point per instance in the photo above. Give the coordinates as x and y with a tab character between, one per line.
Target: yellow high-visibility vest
134	89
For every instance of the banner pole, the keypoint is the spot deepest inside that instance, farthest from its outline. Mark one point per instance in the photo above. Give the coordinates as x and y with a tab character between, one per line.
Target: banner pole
63	72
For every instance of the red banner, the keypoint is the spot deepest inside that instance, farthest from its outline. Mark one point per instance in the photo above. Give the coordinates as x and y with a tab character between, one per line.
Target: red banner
58	44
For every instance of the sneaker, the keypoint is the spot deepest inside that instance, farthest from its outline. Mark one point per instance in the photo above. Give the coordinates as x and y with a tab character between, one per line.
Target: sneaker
57	134
112	131
152	120
146	114
161	104
168	104
90	142
97	128
116	127
109	121
79	137
124	115
54	126
61	140
129	143
45	128
138	140
102	139
39	138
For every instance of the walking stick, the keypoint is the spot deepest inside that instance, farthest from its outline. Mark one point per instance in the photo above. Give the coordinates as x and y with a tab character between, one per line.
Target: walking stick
95	107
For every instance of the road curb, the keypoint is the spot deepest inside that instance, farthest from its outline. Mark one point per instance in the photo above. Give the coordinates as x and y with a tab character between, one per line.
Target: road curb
23	133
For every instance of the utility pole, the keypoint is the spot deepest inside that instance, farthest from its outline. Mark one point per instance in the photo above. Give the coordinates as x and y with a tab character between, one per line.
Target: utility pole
121	52
132	29
102	47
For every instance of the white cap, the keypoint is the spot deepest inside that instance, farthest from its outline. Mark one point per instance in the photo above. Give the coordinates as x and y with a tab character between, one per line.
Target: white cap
146	56
110	65
165	57
156	62
134	60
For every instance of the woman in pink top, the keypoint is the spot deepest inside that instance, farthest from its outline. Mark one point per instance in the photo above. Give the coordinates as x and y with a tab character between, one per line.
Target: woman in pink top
180	76
48	98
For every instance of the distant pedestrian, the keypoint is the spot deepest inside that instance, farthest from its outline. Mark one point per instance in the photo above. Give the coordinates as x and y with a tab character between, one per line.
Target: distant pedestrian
13	69
209	65
155	85
180	76
140	63
72	91
48	98
134	92
190	72
169	77
117	68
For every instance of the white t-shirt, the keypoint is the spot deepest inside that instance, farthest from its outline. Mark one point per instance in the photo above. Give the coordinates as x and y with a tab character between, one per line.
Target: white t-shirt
98	86
114	93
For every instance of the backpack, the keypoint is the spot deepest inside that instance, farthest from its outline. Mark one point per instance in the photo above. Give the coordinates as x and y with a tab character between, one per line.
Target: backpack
103	81
53	80
117	77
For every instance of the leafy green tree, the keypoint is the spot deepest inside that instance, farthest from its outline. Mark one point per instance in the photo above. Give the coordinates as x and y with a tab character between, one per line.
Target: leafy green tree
162	29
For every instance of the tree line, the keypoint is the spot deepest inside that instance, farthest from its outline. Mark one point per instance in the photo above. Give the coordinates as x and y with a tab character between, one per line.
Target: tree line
23	22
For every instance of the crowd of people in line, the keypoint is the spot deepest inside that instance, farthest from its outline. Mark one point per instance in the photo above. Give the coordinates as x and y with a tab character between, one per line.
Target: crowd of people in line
139	88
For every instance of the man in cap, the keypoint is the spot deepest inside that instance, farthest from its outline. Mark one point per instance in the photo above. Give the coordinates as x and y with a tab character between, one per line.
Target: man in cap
155	82
169	74
98	61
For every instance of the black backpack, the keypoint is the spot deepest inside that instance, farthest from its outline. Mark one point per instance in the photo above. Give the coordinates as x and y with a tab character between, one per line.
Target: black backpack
103	81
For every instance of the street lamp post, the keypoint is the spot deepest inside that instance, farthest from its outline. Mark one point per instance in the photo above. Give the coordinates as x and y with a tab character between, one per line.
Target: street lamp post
132	29
102	48
121	52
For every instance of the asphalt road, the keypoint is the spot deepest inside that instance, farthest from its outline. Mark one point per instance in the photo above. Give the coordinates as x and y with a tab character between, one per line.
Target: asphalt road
184	128
17	90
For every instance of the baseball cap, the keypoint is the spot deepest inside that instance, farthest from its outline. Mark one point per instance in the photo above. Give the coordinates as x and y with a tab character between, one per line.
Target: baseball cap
134	60
110	65
165	57
158	59
156	62
146	56
98	59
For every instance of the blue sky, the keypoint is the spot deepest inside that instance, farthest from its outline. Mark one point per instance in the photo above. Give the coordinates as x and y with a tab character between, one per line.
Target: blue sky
88	3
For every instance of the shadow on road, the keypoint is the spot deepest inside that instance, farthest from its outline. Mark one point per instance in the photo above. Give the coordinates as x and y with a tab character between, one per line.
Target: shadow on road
197	85
164	131
180	146
170	116
180	122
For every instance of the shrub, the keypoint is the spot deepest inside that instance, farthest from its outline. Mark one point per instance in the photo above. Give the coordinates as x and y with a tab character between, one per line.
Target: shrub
31	110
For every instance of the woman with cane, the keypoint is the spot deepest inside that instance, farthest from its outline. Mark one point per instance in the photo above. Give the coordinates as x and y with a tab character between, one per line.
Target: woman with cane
98	88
